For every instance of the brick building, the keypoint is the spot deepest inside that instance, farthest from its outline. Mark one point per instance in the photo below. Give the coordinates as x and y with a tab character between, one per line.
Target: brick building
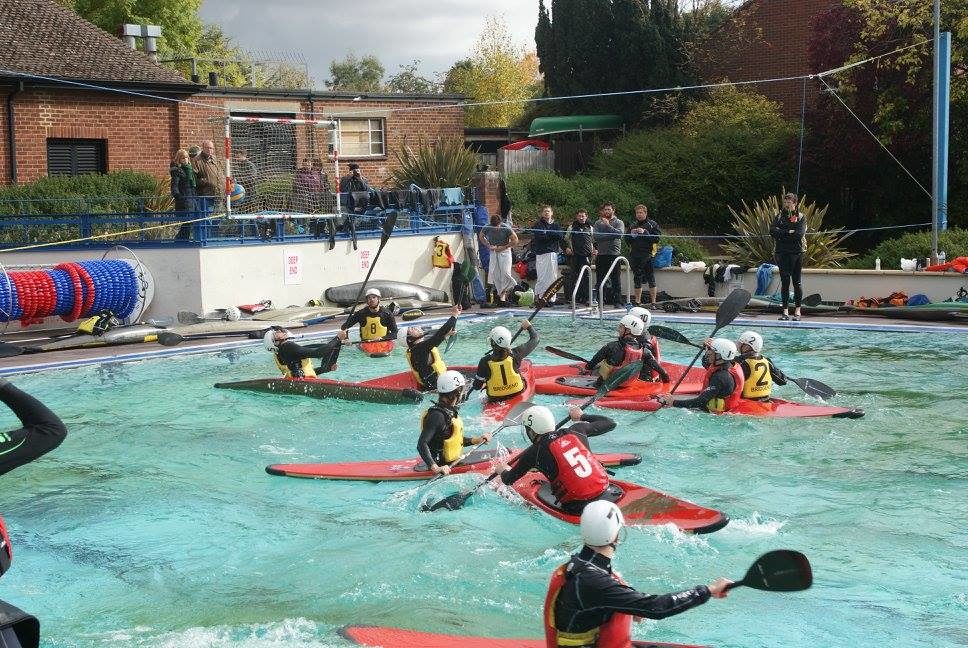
72	100
766	39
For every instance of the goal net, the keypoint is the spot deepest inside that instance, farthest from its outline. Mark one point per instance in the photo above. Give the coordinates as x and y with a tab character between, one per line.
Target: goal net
280	168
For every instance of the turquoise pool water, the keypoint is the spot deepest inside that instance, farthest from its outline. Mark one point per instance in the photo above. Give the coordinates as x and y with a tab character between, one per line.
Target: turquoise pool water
154	524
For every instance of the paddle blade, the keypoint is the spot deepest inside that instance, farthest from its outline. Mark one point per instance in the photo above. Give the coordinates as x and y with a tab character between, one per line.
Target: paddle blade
783	570
388	226
412	314
167	338
450	341
617	378
188	317
450	503
815	388
732	306
565	354
9	350
666	333
811	300
553	289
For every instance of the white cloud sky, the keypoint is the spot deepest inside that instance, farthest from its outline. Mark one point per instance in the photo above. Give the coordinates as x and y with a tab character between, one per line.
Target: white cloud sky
438	33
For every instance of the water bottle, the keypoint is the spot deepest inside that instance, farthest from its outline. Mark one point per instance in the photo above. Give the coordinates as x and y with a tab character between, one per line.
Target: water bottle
877	263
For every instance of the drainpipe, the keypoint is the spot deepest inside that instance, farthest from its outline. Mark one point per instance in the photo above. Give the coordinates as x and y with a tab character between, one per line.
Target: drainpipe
12	132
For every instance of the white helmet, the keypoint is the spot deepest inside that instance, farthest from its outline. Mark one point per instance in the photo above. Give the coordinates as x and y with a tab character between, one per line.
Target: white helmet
633	324
538	419
500	337
753	339
600	523
233	314
725	349
269	340
373	292
450	381
643	314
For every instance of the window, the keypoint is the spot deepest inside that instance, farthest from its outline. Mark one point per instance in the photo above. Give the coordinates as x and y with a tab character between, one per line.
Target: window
361	138
76	156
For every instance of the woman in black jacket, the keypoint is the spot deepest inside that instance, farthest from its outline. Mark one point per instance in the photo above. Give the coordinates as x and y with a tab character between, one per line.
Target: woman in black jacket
789	233
183	190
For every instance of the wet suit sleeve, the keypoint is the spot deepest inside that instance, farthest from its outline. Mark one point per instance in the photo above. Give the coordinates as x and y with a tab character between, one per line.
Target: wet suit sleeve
611	353
650	364
779	378
389	321
483	373
522	351
525	462
592	425
433	423
720	386
438	336
292	352
613	595
352	320
42	430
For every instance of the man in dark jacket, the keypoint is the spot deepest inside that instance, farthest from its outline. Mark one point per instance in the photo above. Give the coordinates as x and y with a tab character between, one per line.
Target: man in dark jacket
579	249
546	240
789	233
183	190
643	243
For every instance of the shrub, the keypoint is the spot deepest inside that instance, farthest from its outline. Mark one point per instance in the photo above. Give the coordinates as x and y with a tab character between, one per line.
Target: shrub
725	149
755	244
914	245
115	192
685	248
443	163
531	189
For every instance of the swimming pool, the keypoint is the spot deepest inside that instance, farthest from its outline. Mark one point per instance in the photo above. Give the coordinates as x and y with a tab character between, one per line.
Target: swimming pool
154	524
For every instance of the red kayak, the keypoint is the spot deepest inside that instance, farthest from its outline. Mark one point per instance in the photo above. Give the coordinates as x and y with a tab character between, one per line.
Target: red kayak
496	410
380	349
773	408
640	505
566	380
400	638
404	379
326	388
415	469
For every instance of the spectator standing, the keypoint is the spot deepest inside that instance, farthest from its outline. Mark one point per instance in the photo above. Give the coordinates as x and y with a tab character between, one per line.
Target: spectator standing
499	238
209	177
245	173
580	252
644	243
609	230
547	237
789	233
354	181
183	190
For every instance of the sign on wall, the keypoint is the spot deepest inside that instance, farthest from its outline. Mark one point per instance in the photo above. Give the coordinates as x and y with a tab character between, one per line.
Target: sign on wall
293	266
364	259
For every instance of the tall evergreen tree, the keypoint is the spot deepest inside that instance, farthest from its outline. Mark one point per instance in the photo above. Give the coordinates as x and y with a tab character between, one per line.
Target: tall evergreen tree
545	44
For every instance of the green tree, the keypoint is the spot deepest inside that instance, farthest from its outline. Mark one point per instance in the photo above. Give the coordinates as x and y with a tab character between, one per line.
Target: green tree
408	81
284	75
499	71
364	74
181	27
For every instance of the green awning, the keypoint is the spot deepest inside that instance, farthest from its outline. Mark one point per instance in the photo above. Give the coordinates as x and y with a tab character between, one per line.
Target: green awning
573	123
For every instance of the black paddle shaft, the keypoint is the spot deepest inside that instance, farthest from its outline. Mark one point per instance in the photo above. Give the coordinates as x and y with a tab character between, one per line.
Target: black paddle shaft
551	291
388	226
732	306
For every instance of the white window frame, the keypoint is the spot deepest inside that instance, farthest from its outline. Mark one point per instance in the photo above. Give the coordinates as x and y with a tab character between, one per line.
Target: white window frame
381	128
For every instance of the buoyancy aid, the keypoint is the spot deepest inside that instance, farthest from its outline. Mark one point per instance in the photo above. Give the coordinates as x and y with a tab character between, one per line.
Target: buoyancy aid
437	364
760	383
442	257
720	405
654	343
615	633
304	369
454	443
580	475
504	381
372	328
633	353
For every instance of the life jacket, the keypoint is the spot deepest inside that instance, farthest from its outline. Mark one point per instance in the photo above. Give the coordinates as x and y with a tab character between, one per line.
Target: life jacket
98	324
304	370
614	633
372	328
441	256
454	443
437	364
504	381
760	383
580	475
720	405
6	549
654	343
632	354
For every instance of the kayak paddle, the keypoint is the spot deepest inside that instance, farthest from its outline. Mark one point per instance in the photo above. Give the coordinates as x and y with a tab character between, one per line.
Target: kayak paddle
732	306
783	570
564	354
510	420
8	350
810	386
388	225
457	500
545	298
170	338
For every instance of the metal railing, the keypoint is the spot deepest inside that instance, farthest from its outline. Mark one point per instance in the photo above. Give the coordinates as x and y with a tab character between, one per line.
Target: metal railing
574	293
601	286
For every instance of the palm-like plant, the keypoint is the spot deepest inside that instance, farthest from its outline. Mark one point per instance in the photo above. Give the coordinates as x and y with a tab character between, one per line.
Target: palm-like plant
442	163
753	244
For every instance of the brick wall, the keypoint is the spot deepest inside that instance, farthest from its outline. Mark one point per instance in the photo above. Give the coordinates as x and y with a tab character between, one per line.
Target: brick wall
143	134
766	39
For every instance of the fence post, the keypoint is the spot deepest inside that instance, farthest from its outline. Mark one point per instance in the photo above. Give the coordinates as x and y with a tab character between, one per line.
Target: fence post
141	220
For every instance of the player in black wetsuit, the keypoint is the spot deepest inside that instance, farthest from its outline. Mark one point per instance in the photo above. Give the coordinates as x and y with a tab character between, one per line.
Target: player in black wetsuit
42	431
724	382
626	349
424	359
563	456
442	437
759	372
588	604
294	359
498	370
376	323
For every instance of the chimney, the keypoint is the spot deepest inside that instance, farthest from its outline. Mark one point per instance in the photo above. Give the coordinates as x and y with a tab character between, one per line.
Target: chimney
150	33
213	78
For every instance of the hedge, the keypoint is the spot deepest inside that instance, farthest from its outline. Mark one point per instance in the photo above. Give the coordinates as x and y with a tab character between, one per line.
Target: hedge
115	192
915	245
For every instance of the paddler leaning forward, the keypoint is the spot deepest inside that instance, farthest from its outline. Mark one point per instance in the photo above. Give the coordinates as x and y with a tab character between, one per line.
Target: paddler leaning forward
294	360
423	356
442	437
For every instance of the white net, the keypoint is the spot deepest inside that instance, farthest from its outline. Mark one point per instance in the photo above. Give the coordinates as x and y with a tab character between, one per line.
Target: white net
282	167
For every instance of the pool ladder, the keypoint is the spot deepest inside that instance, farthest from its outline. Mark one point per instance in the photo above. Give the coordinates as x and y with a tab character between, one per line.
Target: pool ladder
601	286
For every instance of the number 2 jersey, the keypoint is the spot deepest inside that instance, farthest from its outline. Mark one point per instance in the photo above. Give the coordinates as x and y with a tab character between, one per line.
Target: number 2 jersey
564	458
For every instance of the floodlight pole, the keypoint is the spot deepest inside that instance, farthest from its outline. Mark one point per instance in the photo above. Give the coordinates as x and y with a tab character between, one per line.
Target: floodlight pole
941	108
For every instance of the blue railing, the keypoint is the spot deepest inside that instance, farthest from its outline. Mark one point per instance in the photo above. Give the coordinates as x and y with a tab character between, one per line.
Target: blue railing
146	228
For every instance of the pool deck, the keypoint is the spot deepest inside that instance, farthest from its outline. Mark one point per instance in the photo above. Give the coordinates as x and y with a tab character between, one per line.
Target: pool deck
29	363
